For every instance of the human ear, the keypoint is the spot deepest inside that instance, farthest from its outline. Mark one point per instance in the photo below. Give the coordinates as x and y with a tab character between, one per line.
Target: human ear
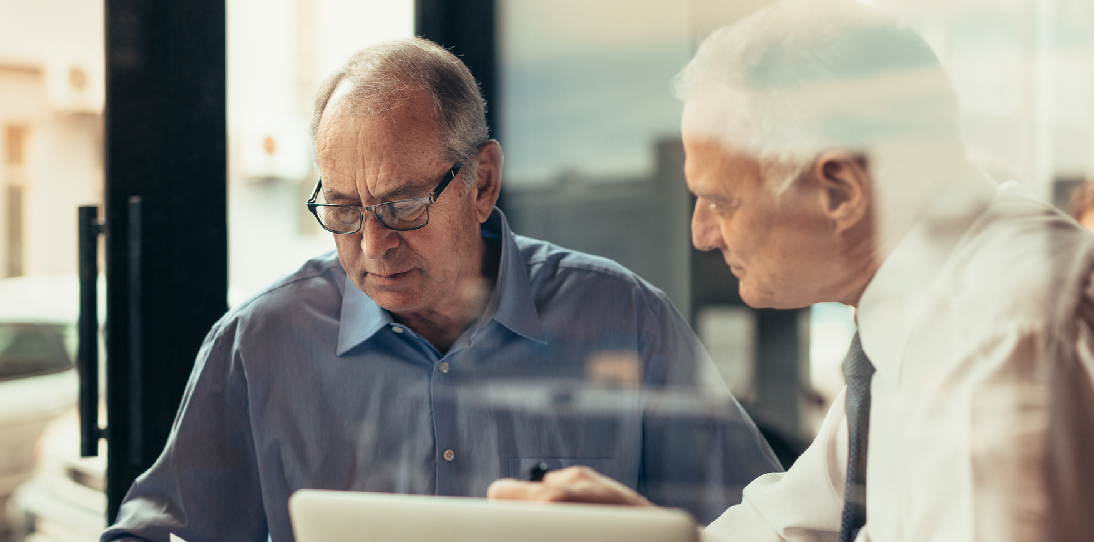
845	187
488	181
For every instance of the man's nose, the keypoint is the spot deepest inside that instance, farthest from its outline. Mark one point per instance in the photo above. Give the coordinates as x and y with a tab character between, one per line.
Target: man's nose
704	229
377	239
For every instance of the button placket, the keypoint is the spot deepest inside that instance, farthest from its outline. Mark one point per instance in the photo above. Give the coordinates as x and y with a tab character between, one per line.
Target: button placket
445	417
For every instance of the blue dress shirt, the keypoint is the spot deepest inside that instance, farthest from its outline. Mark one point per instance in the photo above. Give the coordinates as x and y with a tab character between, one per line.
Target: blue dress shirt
312	385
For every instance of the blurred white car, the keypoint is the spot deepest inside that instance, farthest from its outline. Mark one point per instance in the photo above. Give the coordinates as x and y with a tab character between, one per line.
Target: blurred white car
65	500
37	380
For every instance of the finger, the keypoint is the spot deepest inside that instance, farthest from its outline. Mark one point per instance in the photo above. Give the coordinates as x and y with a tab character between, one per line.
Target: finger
605	491
584	484
554	486
572	475
578	492
515	490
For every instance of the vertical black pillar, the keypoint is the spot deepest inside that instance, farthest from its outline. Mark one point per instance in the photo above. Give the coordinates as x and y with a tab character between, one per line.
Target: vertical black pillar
468	29
166	220
782	342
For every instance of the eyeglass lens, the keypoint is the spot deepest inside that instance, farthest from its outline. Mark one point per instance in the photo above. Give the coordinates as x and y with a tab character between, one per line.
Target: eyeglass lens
397	215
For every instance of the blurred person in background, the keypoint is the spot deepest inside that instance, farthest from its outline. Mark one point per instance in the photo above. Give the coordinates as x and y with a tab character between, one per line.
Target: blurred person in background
823	146
435	351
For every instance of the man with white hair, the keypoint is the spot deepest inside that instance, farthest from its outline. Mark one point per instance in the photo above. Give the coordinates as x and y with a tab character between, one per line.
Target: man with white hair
824	151
435	351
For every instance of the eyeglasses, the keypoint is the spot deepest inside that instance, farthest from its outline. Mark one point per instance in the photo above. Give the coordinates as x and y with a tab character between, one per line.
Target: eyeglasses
401	215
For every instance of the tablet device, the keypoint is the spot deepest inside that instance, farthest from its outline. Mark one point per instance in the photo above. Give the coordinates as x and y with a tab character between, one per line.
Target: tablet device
343	516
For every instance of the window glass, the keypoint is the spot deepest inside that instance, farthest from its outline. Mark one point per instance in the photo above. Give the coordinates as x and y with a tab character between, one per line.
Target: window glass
278	53
588	120
585	87
32	349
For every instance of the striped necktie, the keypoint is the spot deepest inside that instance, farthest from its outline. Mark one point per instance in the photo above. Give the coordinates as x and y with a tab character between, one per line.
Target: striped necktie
858	370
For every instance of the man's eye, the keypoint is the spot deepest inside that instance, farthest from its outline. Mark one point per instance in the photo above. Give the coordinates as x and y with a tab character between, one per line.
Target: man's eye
346	214
710	204
405	206
723	208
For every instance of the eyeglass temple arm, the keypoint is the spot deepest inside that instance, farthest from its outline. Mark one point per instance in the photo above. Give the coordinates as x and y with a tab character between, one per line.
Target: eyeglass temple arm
452	173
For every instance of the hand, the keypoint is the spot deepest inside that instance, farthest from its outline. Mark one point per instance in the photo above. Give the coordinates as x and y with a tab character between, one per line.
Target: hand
578	484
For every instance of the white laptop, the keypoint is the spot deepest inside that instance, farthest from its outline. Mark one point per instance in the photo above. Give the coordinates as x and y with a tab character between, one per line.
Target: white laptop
342	516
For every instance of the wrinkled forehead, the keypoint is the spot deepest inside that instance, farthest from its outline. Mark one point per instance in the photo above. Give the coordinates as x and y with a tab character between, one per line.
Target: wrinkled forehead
713	167
382	148
398	120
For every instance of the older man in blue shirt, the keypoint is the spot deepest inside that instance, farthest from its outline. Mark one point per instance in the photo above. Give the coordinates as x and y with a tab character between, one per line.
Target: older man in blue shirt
437	351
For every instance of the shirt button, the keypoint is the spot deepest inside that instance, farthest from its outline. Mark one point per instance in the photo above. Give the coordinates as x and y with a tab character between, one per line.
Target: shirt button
443	367
397	329
449	455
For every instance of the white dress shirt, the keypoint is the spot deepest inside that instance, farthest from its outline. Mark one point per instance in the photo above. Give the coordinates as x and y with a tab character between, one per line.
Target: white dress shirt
982	416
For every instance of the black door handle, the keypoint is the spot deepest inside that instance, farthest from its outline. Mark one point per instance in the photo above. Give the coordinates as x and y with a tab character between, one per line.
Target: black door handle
87	351
136	332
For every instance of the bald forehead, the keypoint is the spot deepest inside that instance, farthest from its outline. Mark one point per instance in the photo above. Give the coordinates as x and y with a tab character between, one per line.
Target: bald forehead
411	109
378	154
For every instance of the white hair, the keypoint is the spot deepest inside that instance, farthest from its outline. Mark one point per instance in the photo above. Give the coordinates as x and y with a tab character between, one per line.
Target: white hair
803	76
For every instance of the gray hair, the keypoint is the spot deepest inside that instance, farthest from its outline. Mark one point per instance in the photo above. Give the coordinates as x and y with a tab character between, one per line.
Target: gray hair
803	76
385	76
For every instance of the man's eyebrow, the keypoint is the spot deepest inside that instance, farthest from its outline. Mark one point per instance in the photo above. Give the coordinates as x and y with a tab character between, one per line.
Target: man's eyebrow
709	195
400	192
403	191
406	191
333	195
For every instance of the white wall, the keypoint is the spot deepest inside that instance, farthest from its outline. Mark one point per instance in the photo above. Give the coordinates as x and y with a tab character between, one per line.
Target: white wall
39	42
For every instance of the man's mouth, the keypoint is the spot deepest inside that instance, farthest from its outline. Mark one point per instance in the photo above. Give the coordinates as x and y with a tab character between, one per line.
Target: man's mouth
387	278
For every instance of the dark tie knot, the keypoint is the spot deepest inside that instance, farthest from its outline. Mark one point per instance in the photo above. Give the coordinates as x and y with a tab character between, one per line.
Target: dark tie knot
857	367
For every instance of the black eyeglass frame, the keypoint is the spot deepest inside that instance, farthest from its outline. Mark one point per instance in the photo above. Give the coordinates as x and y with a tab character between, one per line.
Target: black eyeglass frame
426	200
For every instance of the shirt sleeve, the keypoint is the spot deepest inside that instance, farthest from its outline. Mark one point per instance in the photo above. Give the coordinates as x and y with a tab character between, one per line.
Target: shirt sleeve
1032	429
205	485
1069	479
803	504
700	448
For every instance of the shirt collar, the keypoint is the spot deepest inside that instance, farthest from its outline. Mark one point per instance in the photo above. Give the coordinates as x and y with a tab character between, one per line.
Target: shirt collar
511	304
907	280
361	317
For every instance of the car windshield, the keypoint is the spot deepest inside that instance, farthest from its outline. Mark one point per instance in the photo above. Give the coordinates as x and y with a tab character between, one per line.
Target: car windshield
31	349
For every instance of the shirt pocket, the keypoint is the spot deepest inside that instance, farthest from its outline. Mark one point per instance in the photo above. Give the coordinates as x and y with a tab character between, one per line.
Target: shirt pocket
519	467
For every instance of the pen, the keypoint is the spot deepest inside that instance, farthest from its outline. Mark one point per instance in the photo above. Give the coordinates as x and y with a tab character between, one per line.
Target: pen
535	474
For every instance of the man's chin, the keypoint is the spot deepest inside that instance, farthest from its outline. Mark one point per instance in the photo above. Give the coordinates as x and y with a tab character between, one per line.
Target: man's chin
756	303
396	302
397	293
757	299
767	300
